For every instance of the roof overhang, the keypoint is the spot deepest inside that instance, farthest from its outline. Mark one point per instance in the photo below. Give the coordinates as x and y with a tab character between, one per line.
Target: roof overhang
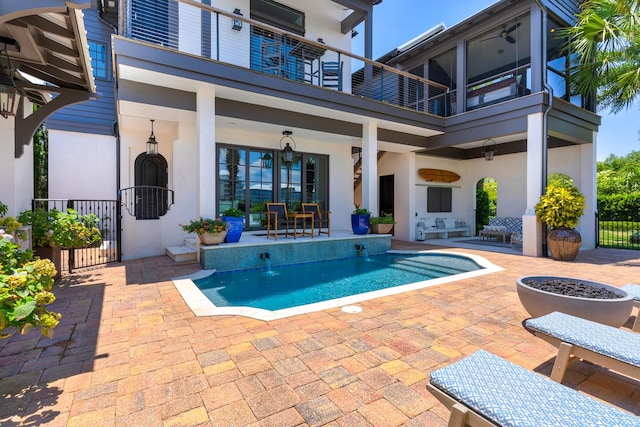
360	10
46	42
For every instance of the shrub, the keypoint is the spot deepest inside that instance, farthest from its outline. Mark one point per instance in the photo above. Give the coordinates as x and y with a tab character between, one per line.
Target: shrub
233	212
560	206
385	219
360	211
64	229
205	225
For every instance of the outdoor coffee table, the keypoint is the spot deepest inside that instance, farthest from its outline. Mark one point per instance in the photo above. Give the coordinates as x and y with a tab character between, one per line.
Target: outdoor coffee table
488	234
303	217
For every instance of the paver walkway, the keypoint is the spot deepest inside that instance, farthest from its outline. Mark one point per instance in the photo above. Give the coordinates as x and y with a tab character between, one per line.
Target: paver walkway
129	352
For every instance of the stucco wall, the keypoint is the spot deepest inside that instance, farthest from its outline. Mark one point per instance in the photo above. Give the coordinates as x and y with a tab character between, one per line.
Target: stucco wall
16	175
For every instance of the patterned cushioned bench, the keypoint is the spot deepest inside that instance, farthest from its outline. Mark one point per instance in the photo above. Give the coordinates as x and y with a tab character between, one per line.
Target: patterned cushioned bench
486	390
502	227
634	290
614	348
440	228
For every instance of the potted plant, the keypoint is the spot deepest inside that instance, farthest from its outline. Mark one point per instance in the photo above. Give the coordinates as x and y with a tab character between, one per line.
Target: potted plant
360	220
235	220
54	230
560	208
382	224
209	231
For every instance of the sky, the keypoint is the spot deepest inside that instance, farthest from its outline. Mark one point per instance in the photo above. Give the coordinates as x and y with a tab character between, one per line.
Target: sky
397	21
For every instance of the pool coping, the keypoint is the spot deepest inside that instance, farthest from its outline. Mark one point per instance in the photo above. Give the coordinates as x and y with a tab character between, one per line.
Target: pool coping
202	306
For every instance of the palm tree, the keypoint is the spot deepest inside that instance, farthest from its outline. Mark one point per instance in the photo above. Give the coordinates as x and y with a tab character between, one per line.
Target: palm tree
606	39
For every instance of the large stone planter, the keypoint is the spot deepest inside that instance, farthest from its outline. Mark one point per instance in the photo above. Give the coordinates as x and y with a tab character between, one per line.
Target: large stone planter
381	228
212	238
614	312
234	228
564	243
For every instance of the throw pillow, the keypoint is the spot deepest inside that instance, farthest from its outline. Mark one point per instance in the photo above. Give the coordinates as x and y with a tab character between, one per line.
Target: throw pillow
440	223
460	223
449	223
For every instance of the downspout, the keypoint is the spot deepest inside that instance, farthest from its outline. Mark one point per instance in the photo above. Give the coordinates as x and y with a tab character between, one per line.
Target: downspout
116	134
545	117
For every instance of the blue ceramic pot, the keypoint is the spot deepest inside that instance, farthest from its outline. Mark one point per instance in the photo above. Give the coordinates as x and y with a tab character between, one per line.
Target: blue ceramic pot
360	223
234	228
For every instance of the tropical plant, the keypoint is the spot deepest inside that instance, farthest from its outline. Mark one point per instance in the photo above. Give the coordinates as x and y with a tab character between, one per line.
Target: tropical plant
560	206
25	291
384	219
205	225
233	212
360	211
62	229
3	209
606	39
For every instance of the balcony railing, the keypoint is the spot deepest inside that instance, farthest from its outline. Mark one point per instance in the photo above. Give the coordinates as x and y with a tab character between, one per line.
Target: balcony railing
194	28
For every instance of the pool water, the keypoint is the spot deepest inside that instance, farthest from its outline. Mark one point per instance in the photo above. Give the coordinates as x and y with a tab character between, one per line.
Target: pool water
294	285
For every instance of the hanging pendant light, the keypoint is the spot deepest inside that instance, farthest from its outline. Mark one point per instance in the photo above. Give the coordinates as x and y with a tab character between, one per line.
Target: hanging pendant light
489	149
9	92
287	150
152	144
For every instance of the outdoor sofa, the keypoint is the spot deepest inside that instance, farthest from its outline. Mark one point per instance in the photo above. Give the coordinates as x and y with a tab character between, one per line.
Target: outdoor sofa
503	227
439	228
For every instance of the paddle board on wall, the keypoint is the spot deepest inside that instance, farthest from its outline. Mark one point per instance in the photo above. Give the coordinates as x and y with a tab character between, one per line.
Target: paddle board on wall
438	175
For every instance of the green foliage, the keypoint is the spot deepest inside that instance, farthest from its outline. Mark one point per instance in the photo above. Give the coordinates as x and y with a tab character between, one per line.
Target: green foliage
483	206
559	180
233	212
619	207
25	291
205	225
41	162
64	229
606	39
560	206
619	174
385	219
635	237
3	209
360	211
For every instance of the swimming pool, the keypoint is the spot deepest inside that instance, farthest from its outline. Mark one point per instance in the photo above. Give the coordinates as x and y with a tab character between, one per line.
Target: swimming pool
296	289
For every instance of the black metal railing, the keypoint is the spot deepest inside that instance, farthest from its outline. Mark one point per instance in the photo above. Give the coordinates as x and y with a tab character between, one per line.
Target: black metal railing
197	29
108	214
146	201
617	233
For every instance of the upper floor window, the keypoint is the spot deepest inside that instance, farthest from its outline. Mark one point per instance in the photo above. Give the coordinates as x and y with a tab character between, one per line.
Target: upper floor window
98	53
278	15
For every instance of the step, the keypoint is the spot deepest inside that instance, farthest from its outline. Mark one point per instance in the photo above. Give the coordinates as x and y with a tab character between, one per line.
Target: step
181	253
191	242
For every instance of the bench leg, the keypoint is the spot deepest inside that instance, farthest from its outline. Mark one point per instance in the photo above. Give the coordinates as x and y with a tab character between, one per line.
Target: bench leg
562	361
636	323
459	416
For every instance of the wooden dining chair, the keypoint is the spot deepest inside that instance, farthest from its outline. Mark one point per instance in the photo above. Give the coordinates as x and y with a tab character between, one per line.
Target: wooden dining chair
276	216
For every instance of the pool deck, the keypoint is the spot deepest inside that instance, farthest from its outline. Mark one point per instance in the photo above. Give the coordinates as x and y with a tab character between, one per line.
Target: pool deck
129	351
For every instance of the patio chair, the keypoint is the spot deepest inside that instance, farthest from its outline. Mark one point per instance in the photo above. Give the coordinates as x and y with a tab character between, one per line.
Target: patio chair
321	219
634	290
331	72
516	239
277	216
486	390
613	348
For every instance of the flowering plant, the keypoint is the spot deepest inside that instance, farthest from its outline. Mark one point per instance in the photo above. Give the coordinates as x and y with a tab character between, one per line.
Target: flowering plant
233	212
64	229
25	291
205	225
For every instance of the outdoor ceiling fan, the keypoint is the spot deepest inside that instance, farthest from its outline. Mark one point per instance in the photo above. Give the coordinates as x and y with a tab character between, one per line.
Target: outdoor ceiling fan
506	33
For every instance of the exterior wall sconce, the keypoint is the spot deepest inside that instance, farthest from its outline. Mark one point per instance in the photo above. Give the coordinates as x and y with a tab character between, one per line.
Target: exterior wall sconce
9	92
237	23
287	151
489	149
152	144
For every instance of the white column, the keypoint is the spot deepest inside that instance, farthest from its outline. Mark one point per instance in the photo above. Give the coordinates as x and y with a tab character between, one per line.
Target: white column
587	187
206	134
531	227
370	167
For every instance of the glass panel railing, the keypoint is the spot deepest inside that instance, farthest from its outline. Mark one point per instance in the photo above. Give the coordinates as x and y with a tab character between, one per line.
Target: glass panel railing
498	88
198	29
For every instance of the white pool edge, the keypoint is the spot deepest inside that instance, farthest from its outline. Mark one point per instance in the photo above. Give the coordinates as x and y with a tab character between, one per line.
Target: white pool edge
202	306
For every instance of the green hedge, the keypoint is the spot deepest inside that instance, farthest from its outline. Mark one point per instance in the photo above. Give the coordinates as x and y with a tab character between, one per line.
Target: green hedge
619	207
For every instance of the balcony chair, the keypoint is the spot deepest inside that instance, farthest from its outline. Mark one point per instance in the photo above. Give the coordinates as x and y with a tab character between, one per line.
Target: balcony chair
277	216
331	72
321	219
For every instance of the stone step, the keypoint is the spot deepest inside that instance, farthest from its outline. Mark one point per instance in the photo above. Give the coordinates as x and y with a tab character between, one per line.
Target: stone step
181	253
191	242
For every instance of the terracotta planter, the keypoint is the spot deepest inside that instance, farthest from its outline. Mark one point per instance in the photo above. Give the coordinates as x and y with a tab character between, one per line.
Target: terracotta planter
381	228
212	238
563	243
614	312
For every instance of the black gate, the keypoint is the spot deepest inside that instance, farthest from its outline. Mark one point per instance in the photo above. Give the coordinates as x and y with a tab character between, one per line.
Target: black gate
618	233
108	212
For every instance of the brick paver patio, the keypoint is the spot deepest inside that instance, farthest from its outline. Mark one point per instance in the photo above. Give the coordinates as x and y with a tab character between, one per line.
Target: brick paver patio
129	352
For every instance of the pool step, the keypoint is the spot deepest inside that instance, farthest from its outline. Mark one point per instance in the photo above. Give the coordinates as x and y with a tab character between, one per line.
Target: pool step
186	252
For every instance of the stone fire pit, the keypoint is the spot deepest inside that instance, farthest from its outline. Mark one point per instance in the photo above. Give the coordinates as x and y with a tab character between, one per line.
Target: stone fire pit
595	301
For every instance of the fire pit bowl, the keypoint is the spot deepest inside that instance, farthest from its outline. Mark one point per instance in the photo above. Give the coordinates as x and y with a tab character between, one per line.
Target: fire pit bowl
595	301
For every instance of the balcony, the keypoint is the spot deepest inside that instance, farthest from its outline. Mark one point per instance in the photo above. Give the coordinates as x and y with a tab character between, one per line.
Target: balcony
228	38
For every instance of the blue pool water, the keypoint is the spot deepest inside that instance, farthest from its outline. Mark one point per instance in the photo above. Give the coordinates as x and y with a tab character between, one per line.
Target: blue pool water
300	284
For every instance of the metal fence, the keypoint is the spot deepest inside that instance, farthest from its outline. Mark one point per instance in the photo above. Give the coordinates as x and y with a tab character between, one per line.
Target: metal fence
108	213
614	233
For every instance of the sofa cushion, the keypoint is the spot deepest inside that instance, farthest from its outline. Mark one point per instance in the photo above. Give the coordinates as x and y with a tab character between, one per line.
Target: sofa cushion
440	223
449	223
